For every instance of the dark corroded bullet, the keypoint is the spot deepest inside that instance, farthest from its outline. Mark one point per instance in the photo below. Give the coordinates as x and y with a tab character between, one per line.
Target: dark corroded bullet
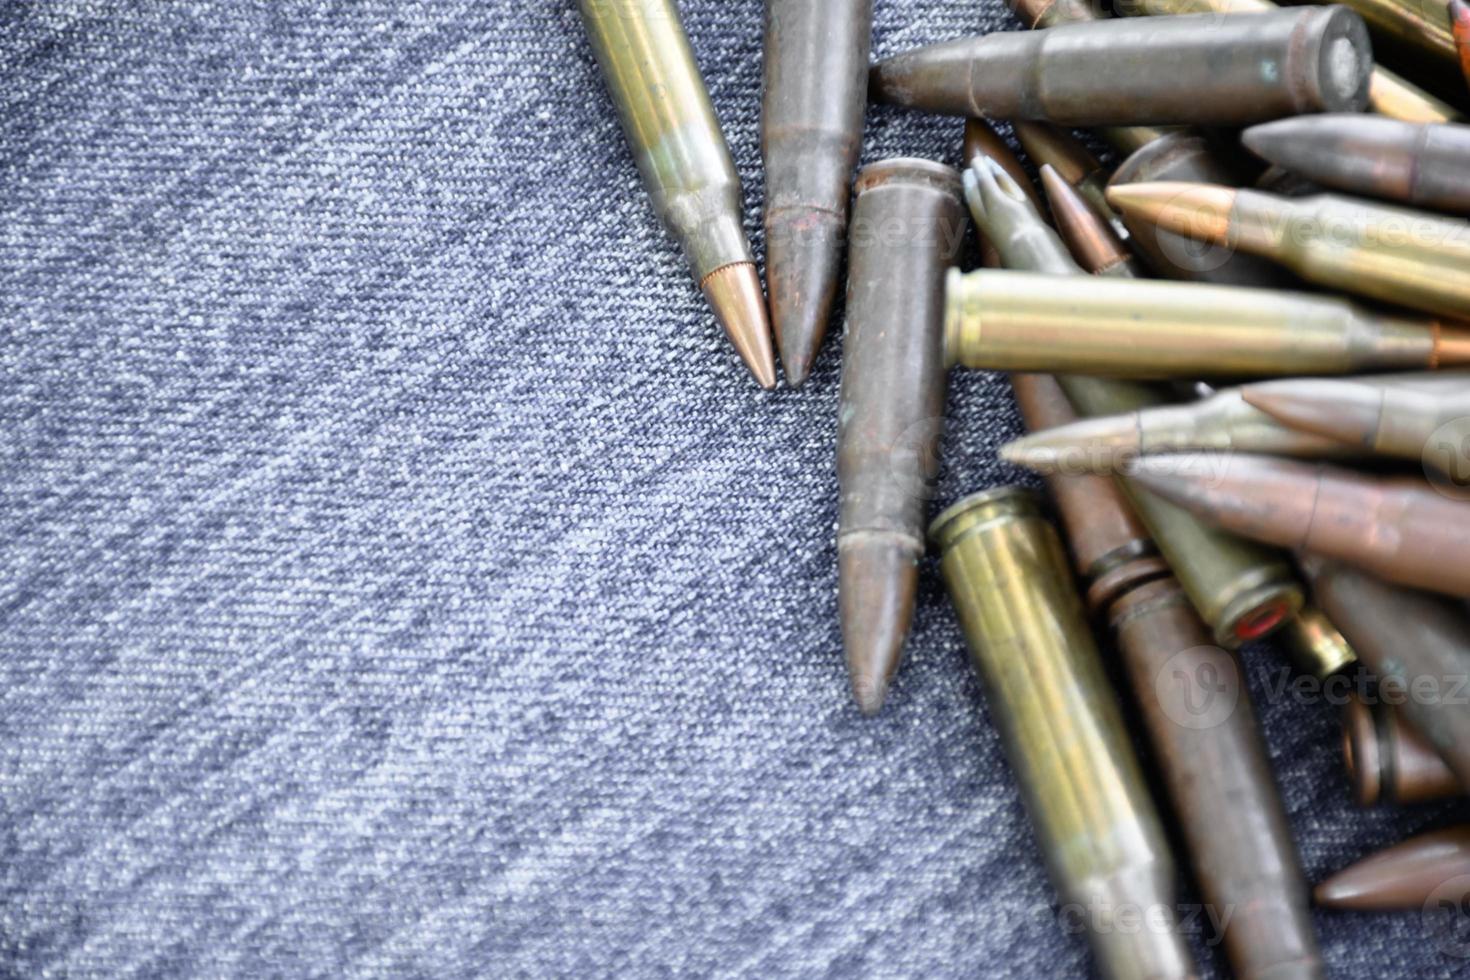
1389	253
1418	644
1418	416
1388	94
1090	237
816	74
1019	321
1189	156
686	166
908	225
1072	164
1427	164
1241	590
1398	528
1222	422
1233	822
1061	727
1315	646
1387	761
1431	867
1204	69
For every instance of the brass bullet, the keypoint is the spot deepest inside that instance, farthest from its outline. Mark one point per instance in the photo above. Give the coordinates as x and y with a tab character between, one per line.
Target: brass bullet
1406	257
1405	876
1204	69
816	74
1387	761
686	167
1410	25
1400	529
907	227
1426	164
1092	239
1315	646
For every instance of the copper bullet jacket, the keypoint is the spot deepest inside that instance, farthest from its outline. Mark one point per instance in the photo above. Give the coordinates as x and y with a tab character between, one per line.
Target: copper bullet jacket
1418	416
1411	258
908	225
1400	529
1426	164
1194	70
816	74
1417	642
1065	739
1416	875
1090	238
1460	31
1387	761
1018	321
1316	646
1388	94
1074	166
686	167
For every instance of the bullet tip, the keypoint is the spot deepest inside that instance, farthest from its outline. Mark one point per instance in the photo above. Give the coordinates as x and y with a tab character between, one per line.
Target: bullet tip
803	260
1335	408
734	293
1198	211
878	582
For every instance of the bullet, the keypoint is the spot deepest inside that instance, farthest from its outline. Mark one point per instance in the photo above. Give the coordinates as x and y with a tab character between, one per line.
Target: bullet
1409	416
1241	590
686	166
1203	69
1410	258
1426	164
1400	529
1431	867
1239	842
1088	236
1387	761
1073	164
1315	646
1388	94
816	73
907	227
1460	32
1018	321
981	139
1061	727
1189	156
1223	422
1410	24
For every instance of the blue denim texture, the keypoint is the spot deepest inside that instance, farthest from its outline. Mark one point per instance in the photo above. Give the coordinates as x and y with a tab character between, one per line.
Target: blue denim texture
401	576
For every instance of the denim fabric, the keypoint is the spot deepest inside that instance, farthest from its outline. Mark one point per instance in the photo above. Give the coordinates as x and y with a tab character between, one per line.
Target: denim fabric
401	575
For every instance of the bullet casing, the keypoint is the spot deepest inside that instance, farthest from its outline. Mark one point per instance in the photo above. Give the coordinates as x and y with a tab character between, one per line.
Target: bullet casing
1316	646
908	225
1060	724
1201	70
1387	761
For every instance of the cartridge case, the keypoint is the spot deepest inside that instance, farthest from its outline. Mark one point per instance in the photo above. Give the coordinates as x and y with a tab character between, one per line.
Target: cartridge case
1425	164
1418	416
1064	736
1388	94
1387	761
686	166
1314	645
1018	321
1398	528
908	225
1401	256
816	74
1189	156
1429	873
1407	638
1223	422
1192	70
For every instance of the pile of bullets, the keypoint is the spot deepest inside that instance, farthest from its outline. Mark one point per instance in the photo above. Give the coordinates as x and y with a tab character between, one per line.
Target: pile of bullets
1198	385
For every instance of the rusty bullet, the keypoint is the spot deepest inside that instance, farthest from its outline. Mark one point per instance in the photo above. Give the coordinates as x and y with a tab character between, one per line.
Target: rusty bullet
1426	164
686	166
1410	258
816	72
908	225
1430	867
1387	761
1091	238
1398	528
1203	69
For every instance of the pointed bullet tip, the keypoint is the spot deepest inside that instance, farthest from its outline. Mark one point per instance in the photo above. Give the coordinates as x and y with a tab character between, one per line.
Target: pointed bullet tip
870	693
803	264
1199	211
878	580
1338	409
734	293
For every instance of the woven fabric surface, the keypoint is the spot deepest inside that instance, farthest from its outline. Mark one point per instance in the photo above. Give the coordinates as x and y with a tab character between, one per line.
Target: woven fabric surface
399	573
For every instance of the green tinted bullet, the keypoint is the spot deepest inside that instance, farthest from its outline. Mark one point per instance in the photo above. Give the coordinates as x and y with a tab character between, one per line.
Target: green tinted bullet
1059	721
686	166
